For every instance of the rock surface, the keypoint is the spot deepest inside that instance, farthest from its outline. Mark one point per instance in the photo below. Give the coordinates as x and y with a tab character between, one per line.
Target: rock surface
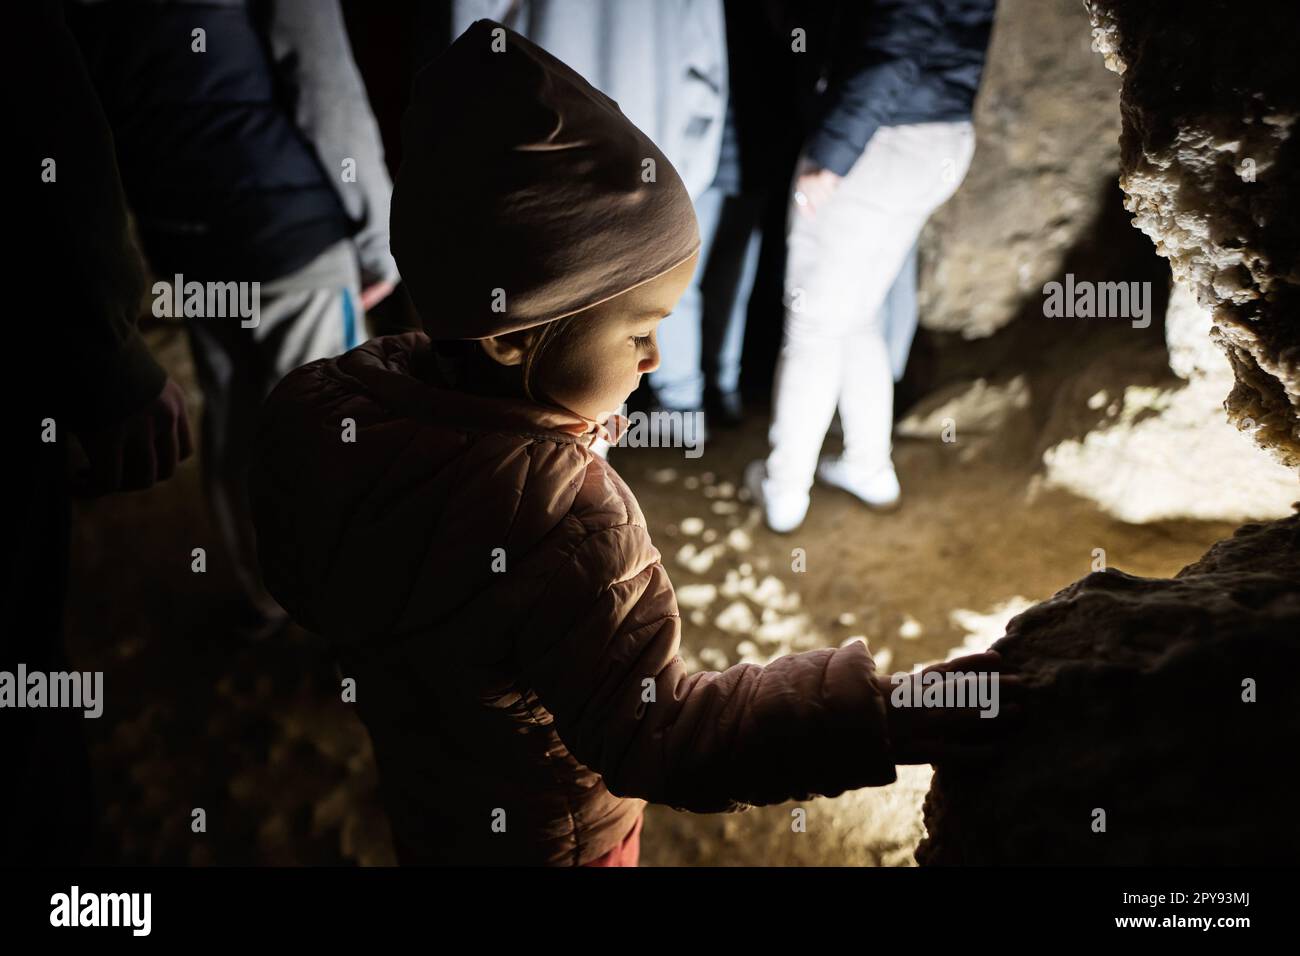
1210	163
1164	731
1046	128
1162	453
1137	689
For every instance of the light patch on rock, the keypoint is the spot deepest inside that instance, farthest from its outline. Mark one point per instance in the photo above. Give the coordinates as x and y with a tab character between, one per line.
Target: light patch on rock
984	629
976	407
1170	453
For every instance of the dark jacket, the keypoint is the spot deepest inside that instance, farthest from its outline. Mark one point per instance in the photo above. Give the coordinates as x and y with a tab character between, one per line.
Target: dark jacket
762	97
874	63
493	589
231	156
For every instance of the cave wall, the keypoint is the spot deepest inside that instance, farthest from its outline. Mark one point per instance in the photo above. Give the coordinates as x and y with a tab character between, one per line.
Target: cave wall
1046	128
1210	165
1140	714
1164	452
1164	726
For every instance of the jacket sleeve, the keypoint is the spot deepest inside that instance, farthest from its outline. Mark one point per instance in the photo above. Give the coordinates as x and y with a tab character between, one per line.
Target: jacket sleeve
601	653
81	236
877	60
313	59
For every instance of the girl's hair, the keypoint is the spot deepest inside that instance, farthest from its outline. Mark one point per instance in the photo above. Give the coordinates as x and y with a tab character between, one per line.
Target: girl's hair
464	365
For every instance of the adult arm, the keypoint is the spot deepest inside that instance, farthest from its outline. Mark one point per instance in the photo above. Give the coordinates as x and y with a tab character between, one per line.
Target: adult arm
876	59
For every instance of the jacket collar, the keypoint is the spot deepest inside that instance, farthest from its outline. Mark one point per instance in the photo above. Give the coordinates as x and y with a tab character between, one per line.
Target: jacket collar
384	367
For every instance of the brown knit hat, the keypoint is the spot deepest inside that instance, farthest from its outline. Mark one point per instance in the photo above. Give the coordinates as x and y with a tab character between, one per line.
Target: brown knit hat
523	193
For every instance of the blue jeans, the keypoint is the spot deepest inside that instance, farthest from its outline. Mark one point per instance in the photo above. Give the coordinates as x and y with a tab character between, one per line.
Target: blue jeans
899	316
700	344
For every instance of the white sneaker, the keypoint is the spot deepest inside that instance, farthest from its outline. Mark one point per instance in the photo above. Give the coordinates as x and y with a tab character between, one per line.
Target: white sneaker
879	491
783	511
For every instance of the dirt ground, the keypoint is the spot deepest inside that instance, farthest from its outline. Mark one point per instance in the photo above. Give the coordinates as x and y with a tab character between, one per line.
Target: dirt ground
254	733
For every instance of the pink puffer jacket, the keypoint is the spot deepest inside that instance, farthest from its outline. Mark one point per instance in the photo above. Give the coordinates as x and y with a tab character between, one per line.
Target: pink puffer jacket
491	587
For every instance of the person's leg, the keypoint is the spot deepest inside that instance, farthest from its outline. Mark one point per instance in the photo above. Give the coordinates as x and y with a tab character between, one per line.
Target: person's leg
900	315
806	384
874	357
310	314
313	313
867	400
226	367
932	158
726	286
678	382
840	266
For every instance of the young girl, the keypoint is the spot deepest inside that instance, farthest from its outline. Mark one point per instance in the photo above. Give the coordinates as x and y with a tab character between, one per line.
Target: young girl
432	506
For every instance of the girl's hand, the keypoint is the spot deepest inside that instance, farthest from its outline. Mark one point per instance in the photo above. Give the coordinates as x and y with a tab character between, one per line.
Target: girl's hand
921	734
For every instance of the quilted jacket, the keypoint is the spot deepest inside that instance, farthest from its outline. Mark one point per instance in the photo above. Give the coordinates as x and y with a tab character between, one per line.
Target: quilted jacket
491	587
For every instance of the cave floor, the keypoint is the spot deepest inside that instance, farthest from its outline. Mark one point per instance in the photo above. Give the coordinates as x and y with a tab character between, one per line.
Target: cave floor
255	733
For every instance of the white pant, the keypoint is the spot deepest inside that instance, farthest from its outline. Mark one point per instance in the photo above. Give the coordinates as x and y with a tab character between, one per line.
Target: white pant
840	266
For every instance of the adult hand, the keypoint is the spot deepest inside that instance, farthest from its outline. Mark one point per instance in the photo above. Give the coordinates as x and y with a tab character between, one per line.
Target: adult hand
139	450
813	188
938	734
375	293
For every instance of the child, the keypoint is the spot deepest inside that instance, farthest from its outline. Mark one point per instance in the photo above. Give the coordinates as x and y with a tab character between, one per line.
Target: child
435	510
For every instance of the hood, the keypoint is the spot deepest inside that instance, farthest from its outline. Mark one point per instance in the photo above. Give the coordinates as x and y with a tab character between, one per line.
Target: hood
524	193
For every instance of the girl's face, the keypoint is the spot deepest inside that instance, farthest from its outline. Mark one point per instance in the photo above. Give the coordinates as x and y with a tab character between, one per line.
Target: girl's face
598	363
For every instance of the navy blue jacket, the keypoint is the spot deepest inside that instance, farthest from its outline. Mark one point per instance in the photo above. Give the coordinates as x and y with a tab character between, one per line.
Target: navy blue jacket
230	156
887	63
